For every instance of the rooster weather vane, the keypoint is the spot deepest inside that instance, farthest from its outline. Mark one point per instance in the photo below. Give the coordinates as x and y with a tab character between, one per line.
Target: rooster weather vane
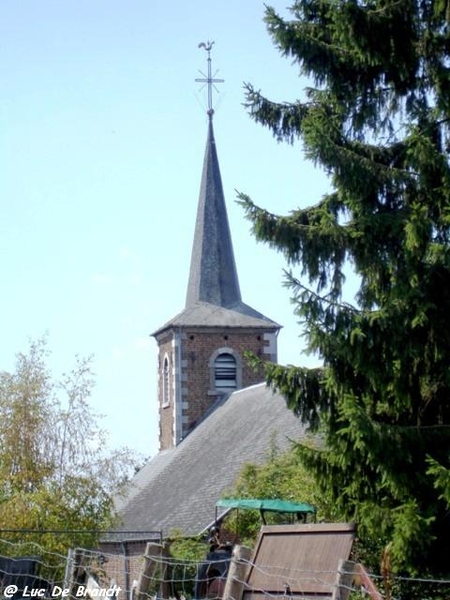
210	80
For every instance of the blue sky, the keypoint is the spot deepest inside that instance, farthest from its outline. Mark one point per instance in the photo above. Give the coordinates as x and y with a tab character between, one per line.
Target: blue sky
102	131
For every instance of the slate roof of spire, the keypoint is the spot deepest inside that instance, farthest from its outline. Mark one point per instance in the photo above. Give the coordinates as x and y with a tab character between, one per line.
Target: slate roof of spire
213	295
213	276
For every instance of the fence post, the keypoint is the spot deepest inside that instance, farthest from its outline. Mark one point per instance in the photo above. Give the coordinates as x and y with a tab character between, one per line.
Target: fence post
74	574
153	552
344	580
237	571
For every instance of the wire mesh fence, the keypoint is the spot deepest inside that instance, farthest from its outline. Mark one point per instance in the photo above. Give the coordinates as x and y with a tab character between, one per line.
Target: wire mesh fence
42	564
139	569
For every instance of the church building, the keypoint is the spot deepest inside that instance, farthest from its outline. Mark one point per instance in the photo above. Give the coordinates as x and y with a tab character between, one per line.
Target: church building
215	411
201	351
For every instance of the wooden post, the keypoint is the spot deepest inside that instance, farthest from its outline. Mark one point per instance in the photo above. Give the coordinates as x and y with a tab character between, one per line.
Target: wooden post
166	573
367	584
235	583
353	576
75	574
344	580
152	559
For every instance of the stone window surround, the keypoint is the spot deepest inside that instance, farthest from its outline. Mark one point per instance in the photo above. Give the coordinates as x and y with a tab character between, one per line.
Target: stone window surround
212	364
165	377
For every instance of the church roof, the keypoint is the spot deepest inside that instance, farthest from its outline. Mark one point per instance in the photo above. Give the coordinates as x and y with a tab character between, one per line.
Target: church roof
178	489
203	314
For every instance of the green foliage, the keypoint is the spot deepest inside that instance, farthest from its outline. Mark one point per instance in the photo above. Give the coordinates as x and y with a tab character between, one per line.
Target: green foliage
282	476
377	120
187	549
187	554
54	471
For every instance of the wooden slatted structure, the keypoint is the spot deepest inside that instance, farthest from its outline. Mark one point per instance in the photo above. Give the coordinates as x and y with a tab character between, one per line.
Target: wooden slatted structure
298	561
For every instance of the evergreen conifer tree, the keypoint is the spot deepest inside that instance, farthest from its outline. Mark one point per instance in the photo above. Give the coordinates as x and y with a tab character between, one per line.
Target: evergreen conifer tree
377	119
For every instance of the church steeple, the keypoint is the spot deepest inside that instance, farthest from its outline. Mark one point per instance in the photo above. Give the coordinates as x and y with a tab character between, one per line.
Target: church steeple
201	351
213	276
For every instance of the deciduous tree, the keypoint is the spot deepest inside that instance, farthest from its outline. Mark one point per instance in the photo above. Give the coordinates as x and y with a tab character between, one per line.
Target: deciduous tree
55	470
377	120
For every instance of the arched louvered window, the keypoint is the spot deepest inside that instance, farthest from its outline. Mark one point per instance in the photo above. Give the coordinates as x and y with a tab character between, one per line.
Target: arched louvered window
225	372
166	381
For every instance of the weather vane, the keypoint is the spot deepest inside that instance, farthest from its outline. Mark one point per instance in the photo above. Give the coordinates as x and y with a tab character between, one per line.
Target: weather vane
210	80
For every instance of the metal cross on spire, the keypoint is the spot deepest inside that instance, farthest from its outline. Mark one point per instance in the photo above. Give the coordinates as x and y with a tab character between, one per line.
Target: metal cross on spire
210	80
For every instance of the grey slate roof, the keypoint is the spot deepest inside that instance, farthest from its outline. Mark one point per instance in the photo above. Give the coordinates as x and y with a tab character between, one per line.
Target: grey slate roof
213	276
203	314
179	487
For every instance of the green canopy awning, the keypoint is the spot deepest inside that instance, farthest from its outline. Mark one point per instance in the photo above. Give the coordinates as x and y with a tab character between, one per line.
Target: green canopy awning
282	506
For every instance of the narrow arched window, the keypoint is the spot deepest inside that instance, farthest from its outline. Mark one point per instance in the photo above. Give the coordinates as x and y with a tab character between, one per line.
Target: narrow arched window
166	382
225	372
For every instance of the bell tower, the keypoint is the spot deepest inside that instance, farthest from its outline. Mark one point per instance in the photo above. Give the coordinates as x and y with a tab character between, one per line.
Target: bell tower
201	350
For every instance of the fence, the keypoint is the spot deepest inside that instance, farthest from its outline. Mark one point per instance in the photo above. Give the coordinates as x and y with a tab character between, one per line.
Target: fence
39	564
138	570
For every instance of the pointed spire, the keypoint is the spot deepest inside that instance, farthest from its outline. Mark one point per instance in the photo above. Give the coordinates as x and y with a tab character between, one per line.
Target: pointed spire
213	276
213	296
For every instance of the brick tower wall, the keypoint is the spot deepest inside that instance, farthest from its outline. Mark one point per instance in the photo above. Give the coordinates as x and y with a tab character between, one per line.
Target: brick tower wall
198	349
192	388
